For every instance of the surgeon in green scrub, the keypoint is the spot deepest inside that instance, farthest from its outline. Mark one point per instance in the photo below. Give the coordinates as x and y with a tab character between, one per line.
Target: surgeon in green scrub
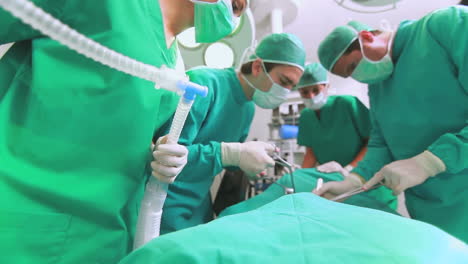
334	129
418	90
219	122
75	135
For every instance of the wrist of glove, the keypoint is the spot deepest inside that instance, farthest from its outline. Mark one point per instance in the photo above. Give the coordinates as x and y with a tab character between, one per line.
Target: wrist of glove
430	163
403	174
355	180
169	160
251	157
332	166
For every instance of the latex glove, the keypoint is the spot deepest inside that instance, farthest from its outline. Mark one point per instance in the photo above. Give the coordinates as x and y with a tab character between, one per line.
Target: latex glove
252	157
403	174
332	189
332	166
169	160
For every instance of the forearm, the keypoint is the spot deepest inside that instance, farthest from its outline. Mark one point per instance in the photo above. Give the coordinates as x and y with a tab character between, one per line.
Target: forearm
360	155
309	159
373	161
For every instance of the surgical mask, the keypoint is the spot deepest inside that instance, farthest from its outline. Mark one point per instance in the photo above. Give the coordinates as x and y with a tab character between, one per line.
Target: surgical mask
271	99
316	102
213	21
370	72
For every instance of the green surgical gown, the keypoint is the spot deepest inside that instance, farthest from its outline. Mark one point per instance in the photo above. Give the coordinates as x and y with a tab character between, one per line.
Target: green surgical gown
75	135
341	131
224	115
305	229
424	105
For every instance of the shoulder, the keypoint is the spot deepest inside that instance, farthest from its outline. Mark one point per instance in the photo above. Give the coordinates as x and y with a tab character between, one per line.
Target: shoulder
349	102
306	112
210	77
343	100
447	15
201	74
441	20
447	19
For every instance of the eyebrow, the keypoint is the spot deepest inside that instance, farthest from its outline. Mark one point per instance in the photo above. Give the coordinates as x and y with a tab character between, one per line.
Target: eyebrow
286	79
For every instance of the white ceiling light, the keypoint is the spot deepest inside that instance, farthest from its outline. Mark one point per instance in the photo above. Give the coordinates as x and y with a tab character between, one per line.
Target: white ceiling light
187	38
219	55
368	6
196	54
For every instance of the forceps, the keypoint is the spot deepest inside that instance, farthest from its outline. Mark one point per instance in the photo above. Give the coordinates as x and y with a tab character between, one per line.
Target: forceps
280	161
287	190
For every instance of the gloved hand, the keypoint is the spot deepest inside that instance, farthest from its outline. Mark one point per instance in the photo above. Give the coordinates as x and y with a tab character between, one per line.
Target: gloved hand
169	160
403	174
252	157
332	166
332	189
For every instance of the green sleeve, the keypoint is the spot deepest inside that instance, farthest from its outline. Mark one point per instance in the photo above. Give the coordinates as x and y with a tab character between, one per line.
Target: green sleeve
450	28
452	149
204	160
13	29
377	155
245	134
303	136
361	118
242	139
85	16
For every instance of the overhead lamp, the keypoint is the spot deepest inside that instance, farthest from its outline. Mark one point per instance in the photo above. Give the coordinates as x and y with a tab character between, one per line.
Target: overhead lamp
368	6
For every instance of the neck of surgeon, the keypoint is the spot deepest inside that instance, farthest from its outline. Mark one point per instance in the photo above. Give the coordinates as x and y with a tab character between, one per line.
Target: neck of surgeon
178	15
248	91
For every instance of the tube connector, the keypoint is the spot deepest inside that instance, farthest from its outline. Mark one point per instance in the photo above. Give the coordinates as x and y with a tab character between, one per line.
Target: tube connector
191	90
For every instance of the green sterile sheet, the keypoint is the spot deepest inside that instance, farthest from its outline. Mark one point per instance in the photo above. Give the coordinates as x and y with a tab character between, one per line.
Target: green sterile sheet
305	180
305	228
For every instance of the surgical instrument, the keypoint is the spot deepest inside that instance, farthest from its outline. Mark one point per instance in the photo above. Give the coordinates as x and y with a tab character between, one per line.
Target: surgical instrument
354	192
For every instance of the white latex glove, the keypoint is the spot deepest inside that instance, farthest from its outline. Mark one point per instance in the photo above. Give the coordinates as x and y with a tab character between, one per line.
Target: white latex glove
332	189
332	166
403	174
251	157
169	160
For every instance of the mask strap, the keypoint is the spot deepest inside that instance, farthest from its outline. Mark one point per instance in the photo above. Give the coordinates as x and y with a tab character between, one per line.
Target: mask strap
267	74
249	83
362	48
390	42
244	55
388	48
